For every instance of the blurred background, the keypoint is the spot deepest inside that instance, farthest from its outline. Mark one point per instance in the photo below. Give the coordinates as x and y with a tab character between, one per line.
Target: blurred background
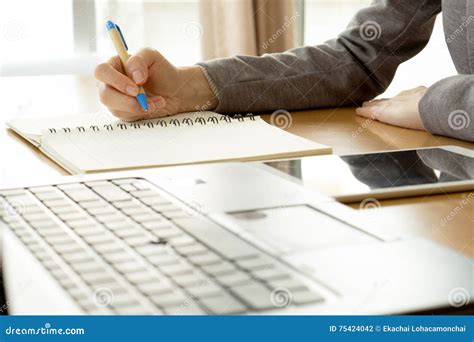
50	37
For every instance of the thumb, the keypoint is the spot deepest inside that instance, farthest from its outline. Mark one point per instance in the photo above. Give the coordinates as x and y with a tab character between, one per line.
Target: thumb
138	65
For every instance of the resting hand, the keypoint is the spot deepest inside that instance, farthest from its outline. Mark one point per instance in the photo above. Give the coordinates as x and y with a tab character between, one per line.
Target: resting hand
401	110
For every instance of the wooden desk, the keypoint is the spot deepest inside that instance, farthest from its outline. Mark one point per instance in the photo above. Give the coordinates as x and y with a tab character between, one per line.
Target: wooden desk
341	129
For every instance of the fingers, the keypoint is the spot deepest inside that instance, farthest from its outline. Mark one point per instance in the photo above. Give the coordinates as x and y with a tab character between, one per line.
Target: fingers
373	109
138	65
109	74
115	100
371	112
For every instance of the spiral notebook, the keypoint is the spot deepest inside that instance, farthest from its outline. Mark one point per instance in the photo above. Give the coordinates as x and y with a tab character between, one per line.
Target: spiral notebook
96	143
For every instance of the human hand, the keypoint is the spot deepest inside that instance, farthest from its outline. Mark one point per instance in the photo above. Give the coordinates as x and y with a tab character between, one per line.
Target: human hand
170	90
401	110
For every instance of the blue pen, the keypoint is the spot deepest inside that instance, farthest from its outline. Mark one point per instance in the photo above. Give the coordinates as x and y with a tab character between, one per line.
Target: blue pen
121	46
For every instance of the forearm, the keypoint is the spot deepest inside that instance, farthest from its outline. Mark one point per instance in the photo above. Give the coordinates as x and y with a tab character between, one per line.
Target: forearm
447	107
348	70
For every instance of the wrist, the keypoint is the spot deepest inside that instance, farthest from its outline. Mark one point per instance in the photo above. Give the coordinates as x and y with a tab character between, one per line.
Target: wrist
197	94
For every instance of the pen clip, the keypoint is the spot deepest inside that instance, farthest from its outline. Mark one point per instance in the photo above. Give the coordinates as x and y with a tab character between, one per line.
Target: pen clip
121	36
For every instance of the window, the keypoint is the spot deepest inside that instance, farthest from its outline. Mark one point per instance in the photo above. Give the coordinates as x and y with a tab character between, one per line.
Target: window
325	19
69	36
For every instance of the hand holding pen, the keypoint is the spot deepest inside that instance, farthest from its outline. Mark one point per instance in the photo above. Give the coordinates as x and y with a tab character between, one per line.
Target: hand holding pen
130	84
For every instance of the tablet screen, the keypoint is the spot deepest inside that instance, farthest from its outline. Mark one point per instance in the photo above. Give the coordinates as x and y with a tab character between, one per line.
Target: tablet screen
346	175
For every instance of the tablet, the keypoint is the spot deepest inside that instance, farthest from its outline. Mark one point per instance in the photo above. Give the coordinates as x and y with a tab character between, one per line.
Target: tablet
382	175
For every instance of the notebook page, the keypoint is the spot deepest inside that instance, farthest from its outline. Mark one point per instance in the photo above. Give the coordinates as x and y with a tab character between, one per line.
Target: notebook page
161	146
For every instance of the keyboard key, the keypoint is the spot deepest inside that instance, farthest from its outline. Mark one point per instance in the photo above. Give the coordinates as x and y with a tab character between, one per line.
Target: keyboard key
111	193
189	279
14	192
102	210
181	240
117	225
223	304
144	193
129	267
167	232
169	299
110	247
177	214
256	263
287	283
97	239
156	202
127	187
139	240
163	208
83	222
156	287
193	249
73	216
217	237
97	278
233	279
83	194
272	273
94	184
219	268
52	195
126	233
257	296
300	297
207	258
174	269
188	308
135	211
124	181
141	277
35	217
87	267
73	258
117	257
152	249
150	216
130	203
98	203
206	288
109	218
163	259
68	248
141	184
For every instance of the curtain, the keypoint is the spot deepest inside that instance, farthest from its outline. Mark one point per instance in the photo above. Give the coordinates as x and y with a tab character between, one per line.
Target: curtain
248	27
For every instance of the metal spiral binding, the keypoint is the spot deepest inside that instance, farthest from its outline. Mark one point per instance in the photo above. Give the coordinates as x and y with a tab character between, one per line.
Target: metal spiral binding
155	123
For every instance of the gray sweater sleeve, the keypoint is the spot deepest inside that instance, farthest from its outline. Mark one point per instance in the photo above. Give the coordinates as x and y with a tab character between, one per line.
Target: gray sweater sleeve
447	107
356	66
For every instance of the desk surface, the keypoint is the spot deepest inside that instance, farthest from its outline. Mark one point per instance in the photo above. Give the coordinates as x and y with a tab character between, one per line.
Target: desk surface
339	128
